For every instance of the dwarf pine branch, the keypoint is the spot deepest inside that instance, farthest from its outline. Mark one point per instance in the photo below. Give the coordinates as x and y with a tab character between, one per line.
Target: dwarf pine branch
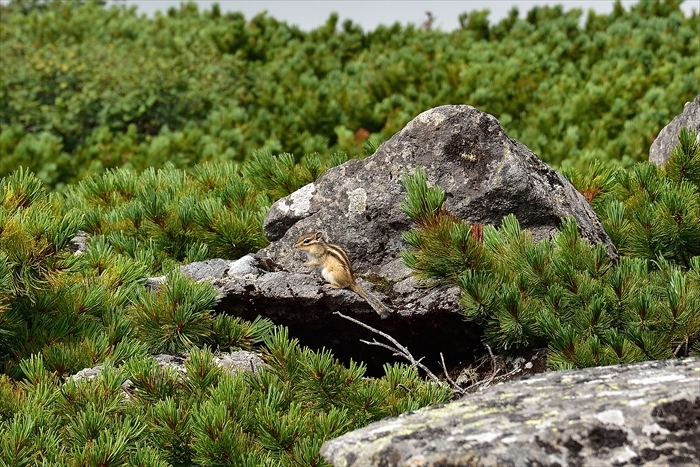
565	293
61	312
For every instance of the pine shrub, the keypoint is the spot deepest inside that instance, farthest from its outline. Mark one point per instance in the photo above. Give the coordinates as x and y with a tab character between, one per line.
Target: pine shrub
565	293
204	416
88	87
62	312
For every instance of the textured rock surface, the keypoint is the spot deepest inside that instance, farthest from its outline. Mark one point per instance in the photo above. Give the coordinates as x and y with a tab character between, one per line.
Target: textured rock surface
660	149
647	413
486	176
78	244
239	360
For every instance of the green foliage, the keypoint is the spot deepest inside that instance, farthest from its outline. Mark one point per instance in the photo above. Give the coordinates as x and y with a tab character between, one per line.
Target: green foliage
161	134
654	213
167	216
443	246
683	164
87	88
281	175
78	310
565	293
205	416
176	317
61	312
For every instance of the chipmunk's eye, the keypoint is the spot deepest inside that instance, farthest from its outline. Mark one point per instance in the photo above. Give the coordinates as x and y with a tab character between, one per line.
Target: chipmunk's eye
307	241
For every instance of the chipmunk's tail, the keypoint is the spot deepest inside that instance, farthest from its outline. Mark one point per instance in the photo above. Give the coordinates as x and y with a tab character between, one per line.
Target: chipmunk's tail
374	302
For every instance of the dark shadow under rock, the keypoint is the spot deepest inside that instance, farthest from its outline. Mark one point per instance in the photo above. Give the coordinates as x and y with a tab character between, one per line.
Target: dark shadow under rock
303	304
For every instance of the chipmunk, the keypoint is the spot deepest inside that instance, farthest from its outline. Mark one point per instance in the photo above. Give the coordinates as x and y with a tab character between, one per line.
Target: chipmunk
335	267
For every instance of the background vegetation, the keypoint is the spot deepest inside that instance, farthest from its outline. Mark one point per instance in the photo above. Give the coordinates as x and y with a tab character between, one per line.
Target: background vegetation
167	139
85	88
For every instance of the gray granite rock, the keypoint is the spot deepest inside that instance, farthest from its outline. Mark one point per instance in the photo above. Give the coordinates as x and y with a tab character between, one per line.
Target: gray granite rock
78	244
238	360
643	414
486	175
660	149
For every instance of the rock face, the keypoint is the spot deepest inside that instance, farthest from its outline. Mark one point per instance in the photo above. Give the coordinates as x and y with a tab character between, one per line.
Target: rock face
660	149
646	413
486	175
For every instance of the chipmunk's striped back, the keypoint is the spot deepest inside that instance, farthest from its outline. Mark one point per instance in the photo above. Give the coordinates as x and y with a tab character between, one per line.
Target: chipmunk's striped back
335	267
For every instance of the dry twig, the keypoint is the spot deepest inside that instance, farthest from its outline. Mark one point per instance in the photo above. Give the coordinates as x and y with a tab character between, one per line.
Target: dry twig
398	350
455	386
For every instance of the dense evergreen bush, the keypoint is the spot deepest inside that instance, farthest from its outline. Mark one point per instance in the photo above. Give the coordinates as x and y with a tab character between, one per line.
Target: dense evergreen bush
205	417
85	88
565	293
141	225
166	137
61	312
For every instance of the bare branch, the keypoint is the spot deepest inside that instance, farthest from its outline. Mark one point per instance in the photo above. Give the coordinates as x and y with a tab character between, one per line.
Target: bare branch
495	370
454	385
399	350
380	344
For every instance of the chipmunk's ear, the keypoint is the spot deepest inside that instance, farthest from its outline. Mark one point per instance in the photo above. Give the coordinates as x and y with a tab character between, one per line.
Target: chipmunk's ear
319	235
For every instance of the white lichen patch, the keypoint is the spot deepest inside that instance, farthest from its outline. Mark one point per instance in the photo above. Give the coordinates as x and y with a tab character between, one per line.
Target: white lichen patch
357	201
657	379
244	268
545	425
531	381
625	457
654	429
299	202
486	437
469	156
387	428
609	394
430	117
611	417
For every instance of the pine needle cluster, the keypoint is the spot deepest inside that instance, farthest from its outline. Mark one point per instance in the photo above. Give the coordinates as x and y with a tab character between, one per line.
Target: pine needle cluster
61	312
206	416
565	293
168	216
79	309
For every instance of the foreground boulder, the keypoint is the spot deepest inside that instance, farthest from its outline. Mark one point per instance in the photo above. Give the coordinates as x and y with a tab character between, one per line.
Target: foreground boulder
660	149
646	413
486	176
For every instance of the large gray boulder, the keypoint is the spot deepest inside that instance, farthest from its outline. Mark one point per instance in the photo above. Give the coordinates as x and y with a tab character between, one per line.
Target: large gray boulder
486	176
660	149
646	414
